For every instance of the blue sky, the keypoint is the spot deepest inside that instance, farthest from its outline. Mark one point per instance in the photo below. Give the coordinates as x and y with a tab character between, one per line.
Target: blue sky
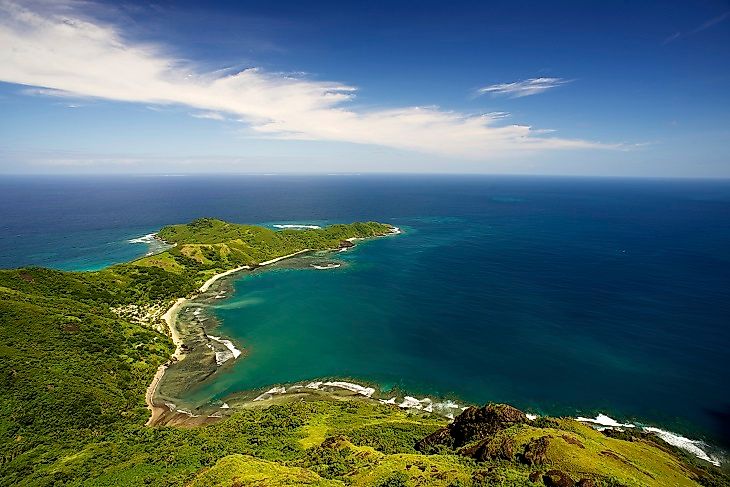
577	88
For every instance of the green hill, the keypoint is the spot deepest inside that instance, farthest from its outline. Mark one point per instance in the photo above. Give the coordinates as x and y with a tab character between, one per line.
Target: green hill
74	370
207	244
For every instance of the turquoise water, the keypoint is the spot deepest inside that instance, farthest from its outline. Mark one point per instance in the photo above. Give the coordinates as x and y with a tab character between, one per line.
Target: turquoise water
502	309
560	295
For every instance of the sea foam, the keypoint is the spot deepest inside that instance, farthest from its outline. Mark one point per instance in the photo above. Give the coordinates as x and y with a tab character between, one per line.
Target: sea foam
350	386
697	448
222	356
144	239
326	266
445	408
603	420
154	244
297	226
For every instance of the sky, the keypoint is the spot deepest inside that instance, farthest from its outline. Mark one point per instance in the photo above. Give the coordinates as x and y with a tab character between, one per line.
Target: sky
614	88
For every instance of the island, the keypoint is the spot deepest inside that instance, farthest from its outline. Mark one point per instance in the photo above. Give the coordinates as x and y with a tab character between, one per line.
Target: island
83	356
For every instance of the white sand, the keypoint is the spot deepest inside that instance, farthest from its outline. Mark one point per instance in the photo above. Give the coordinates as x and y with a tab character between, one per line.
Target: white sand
170	316
210	281
283	257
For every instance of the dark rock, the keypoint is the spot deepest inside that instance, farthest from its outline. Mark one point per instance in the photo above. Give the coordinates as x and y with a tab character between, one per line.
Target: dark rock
573	441
474	424
535	476
628	434
502	448
437	438
487	478
557	478
536	451
335	442
610	454
346	244
26	277
586	483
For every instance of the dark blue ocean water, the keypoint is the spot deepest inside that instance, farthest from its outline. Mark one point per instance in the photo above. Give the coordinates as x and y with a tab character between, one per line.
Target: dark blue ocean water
562	295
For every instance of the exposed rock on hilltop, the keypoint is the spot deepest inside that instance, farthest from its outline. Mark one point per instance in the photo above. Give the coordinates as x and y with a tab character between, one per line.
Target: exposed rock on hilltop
474	424
560	452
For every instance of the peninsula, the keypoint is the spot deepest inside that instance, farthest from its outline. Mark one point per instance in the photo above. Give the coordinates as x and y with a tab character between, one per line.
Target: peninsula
83	353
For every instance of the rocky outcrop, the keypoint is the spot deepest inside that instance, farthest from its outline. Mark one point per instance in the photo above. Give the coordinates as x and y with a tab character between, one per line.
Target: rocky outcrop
536	451
498	448
346	244
474	425
573	441
557	478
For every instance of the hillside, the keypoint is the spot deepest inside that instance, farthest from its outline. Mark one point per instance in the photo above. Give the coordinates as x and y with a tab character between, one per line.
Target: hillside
74	369
207	245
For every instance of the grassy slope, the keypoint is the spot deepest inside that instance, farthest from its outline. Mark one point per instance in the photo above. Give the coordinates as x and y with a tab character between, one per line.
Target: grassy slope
73	375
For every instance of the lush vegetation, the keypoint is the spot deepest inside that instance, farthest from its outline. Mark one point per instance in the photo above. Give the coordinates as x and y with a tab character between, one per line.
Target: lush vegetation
207	244
73	376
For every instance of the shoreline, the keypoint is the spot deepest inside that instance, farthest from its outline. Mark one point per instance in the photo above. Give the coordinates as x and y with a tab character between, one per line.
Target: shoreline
213	279
333	388
170	318
343	389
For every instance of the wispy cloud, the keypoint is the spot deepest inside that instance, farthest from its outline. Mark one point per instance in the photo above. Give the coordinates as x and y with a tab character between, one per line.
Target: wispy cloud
704	26
518	89
208	115
711	22
58	51
672	38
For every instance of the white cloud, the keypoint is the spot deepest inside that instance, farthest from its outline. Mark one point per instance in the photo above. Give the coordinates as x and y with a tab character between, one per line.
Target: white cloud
208	115
517	89
59	52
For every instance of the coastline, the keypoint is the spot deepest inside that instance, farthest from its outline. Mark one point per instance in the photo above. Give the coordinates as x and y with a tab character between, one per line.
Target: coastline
213	279
339	389
170	318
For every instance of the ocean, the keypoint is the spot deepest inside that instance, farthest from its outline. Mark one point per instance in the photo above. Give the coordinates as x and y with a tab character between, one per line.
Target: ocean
568	296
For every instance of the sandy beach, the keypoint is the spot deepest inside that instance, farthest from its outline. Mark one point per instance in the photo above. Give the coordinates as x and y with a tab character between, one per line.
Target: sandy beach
210	281
156	411
169	317
283	257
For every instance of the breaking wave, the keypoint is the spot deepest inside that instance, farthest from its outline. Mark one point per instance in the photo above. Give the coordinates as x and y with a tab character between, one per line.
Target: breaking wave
150	238
698	448
297	226
222	356
326	266
154	244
